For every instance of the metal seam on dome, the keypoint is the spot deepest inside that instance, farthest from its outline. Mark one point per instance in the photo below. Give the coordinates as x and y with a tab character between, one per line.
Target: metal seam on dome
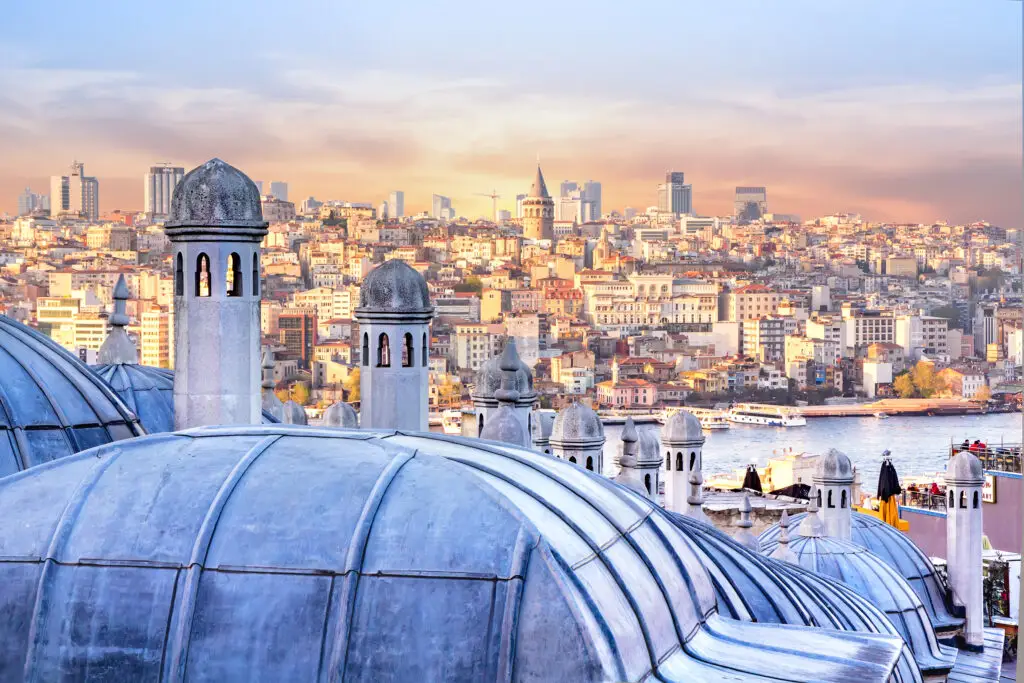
183	612
61	531
518	565
600	552
337	657
65	425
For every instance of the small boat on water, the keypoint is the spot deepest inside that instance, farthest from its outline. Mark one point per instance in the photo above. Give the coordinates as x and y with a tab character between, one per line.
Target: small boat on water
451	422
763	414
882	416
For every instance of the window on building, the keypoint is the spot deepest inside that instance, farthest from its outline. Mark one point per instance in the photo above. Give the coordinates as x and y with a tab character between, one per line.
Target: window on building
963	500
425	356
668	461
203	275
842	499
383	351
408	353
590	463
647	482
830	503
679	462
976	497
366	349
693	459
572	459
256	274
179	276
234	275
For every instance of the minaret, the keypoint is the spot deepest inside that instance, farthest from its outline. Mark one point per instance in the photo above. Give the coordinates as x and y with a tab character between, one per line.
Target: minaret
538	211
505	423
117	347
744	535
578	436
681	441
488	382
782	551
394	316
648	462
215	228
834	483
965	478
629	474
270	403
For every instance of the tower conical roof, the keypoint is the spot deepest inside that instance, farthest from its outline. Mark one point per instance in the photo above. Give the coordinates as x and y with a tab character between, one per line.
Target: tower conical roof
539	188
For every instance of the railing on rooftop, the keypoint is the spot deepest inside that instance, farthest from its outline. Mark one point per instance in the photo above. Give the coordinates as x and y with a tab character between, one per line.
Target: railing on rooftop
924	500
1004	457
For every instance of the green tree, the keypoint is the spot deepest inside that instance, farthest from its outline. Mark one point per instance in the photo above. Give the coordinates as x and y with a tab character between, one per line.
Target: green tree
470	284
904	385
300	393
351	385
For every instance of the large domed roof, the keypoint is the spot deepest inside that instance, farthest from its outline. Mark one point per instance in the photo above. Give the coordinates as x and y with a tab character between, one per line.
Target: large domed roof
682	425
51	404
149	392
871	577
216	194
394	287
900	553
577	424
753	587
284	553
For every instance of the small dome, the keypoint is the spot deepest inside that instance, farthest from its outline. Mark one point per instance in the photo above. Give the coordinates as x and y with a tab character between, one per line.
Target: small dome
149	392
682	426
394	287
504	425
965	468
871	577
341	414
650	447
577	424
541	424
834	468
293	413
216	194
51	404
900	553
488	380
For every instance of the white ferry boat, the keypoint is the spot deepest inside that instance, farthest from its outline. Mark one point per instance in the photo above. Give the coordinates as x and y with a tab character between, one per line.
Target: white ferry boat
451	422
768	415
711	422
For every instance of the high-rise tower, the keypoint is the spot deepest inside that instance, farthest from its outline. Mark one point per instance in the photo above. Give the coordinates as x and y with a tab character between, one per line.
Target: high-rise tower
215	227
538	211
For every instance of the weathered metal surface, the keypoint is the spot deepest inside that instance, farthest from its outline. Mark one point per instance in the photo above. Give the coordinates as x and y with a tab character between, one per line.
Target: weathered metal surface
303	554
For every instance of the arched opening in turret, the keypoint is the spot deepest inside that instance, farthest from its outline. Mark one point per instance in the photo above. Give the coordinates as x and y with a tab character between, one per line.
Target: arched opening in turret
679	462
408	353
256	274
830	503
203	275
668	461
480	425
234	275
547	451
366	349
590	463
179	275
425	356
975	500
693	459
950	504
819	498
572	459
383	351
647	482
842	499
963	500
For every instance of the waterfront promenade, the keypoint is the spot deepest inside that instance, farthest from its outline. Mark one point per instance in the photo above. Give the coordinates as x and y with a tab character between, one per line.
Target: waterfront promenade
898	406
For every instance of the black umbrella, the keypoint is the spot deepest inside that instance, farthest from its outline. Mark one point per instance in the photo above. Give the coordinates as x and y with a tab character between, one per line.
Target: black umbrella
751	480
798	491
888	481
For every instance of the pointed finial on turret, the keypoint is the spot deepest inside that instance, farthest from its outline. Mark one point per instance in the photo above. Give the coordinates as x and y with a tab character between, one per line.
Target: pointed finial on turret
745	536
696	498
782	551
509	364
118	347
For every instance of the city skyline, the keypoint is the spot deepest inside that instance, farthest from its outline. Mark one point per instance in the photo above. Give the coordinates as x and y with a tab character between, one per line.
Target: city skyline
887	119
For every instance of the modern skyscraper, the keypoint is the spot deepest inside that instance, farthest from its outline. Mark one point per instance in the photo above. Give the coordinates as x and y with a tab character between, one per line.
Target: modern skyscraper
567	187
592	196
441	208
578	203
279	190
158	188
29	201
396	204
519	205
75	194
58	195
751	203
674	195
538	211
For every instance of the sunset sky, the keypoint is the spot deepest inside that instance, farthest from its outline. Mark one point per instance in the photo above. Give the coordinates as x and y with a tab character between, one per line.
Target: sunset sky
901	110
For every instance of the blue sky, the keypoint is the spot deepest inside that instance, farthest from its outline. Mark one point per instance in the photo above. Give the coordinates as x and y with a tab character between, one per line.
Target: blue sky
904	110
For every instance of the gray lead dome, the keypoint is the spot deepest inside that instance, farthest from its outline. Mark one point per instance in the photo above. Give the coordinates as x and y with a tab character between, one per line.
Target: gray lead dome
51	404
577	423
304	554
395	287
216	194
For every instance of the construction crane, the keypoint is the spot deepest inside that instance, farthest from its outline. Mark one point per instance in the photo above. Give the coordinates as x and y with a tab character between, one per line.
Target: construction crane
494	200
